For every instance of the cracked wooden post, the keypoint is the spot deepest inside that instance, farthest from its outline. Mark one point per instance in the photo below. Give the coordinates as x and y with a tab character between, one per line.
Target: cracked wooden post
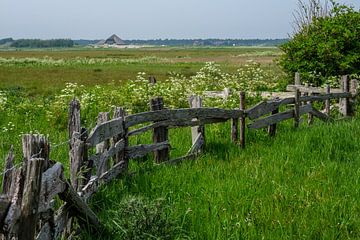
197	132
160	134
327	102
242	120
297	109
354	85
36	151
8	172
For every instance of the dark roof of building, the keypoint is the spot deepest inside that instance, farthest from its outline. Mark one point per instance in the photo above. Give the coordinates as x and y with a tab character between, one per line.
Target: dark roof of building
114	40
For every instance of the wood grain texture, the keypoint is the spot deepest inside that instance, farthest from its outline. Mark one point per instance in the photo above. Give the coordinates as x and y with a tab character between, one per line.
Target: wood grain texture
105	131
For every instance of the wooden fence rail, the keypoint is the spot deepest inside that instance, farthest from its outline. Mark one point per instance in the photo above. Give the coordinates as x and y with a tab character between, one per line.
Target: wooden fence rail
29	192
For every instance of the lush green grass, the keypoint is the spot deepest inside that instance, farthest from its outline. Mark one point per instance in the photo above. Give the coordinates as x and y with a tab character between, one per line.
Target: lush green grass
45	80
300	185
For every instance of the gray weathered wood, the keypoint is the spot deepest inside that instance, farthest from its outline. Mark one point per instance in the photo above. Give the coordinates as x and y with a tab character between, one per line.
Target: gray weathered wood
160	134
314	98
317	90
8	172
120	156
61	220
272	127
196	102
218	94
297	78
94	184
105	131
267	107
74	121
36	146
10	225
107	154
320	115
80	209
46	232
261	123
327	102
242	120
142	150
52	183
354	87
175	124
297	109
344	102
184	114
4	207
31	197
77	161
197	146
103	164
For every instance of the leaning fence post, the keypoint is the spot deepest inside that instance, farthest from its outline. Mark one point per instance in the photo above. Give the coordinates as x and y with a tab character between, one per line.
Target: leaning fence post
297	109
242	119
327	102
160	134
196	102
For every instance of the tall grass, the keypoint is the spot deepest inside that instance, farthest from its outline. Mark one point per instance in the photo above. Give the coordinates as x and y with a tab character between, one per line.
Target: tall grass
300	185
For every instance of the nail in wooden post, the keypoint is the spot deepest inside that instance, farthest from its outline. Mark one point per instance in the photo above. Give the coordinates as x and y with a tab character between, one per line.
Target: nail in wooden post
327	102
160	134
297	78
272	128
242	120
297	109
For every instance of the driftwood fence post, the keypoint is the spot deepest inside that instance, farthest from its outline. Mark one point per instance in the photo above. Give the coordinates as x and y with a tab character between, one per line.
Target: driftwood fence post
19	207
197	132
160	134
242	120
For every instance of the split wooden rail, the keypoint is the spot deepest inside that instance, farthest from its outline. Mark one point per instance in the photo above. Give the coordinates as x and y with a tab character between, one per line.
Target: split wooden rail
31	191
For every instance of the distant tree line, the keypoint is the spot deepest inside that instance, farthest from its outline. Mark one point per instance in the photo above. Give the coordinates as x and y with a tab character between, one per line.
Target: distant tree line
209	42
38	43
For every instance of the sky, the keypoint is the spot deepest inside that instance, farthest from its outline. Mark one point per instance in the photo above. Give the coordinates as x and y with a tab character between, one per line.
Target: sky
148	19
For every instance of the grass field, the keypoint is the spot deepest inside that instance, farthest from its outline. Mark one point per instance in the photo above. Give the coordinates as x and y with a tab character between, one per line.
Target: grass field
302	184
49	78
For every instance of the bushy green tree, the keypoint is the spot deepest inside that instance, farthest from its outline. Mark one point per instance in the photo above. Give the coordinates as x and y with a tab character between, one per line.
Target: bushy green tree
327	45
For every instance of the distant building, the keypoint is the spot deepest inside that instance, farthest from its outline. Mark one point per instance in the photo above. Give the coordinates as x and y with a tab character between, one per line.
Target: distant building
112	40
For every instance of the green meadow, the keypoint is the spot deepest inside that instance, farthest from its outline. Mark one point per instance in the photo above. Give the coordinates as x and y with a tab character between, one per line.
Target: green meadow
301	184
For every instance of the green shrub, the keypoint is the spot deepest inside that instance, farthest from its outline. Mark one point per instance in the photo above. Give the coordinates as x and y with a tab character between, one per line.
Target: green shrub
328	46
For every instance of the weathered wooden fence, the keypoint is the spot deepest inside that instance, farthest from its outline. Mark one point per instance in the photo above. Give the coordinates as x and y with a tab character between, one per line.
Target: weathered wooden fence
31	191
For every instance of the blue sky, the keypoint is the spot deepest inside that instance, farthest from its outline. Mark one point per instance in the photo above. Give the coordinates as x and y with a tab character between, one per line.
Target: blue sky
148	19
